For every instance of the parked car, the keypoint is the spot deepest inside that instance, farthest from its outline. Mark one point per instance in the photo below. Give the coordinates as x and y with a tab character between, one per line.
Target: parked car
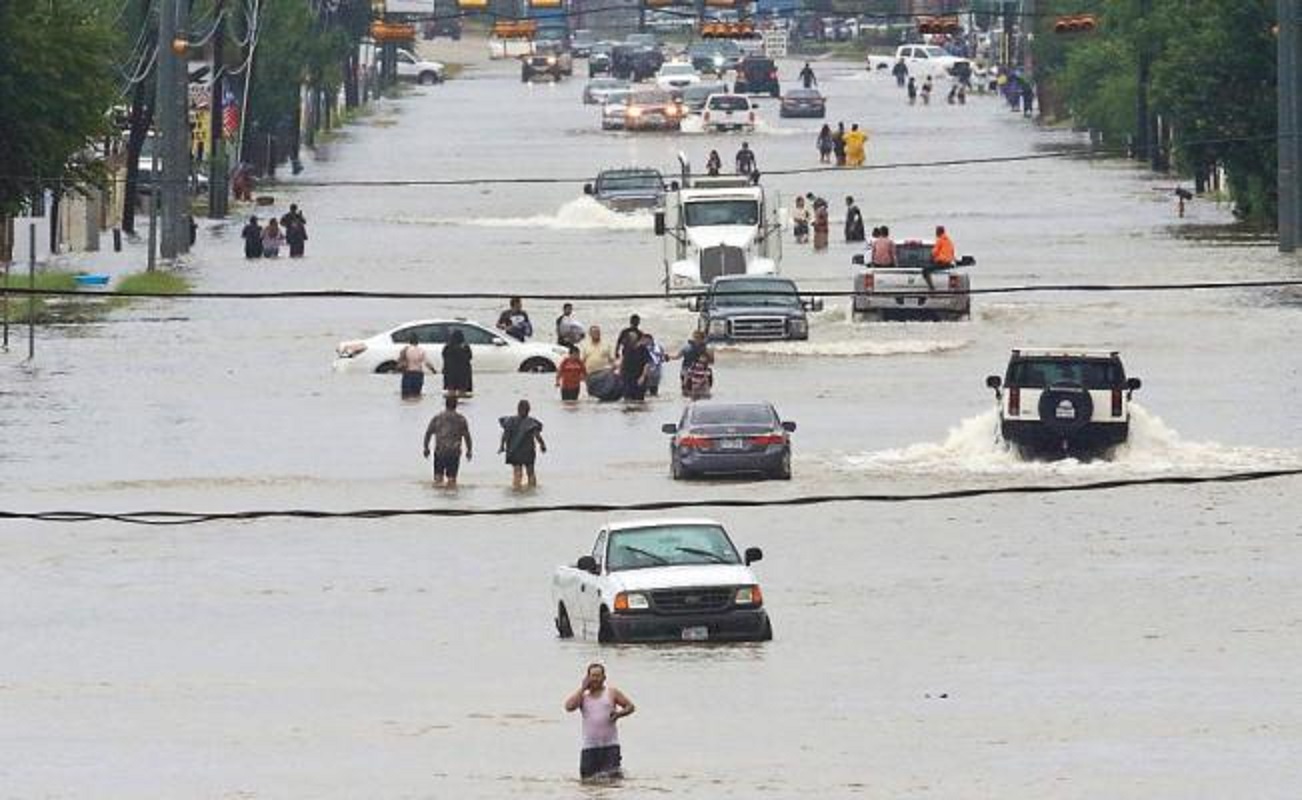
730	438
598	90
661	580
615	109
750	308
652	109
493	351
693	97
412	67
728	112
803	103
628	189
1064	402
676	75
757	75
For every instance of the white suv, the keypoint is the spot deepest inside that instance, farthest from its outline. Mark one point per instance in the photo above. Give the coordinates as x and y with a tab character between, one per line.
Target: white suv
1064	402
423	71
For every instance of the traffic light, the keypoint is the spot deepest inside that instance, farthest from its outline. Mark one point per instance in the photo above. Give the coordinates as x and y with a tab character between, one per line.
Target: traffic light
939	25
1079	23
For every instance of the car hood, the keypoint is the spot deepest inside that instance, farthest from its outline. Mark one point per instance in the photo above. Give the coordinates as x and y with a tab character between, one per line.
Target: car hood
649	578
711	235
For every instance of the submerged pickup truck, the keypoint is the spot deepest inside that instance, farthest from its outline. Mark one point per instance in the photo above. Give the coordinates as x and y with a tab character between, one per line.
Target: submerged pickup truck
914	288
661	580
628	189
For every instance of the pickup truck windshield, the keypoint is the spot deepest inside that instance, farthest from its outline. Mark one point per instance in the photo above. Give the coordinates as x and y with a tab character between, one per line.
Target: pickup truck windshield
629	181
1038	373
756	293
722	212
669	545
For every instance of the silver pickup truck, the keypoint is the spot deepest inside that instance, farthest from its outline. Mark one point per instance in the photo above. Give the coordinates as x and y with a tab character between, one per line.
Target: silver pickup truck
914	288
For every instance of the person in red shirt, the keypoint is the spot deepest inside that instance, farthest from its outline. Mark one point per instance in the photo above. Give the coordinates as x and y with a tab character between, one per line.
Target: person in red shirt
571	374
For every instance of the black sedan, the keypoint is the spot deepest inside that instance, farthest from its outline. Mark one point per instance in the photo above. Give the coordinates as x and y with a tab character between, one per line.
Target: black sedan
730	438
803	103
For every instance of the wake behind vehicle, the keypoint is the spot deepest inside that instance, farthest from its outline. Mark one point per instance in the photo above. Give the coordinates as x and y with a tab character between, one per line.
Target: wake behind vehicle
1064	402
492	351
728	225
914	288
661	580
730	439
628	189
753	308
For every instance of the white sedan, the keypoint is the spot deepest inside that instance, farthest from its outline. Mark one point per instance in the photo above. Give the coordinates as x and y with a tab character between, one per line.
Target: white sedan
493	351
677	75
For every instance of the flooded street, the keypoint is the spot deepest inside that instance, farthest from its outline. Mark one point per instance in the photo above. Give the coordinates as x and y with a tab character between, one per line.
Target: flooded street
1131	643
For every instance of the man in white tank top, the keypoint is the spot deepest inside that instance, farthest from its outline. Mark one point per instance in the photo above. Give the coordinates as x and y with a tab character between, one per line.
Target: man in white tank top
601	706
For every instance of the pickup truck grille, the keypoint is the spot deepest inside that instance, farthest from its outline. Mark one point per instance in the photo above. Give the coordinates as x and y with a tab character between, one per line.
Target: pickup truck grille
758	328
691	601
722	260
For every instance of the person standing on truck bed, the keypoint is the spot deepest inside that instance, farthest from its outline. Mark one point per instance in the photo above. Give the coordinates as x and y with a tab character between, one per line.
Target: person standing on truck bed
883	248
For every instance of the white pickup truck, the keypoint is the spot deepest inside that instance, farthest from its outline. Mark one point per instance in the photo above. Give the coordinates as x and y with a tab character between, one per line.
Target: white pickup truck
914	288
660	581
922	60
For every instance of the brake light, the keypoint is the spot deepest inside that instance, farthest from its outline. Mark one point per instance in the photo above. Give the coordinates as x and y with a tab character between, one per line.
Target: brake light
768	438
693	442
1014	402
868	282
1116	402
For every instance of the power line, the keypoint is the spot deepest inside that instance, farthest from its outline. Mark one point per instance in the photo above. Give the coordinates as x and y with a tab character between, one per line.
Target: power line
361	294
169	518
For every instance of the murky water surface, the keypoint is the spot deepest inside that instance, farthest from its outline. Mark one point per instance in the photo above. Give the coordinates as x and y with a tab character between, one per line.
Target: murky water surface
1127	644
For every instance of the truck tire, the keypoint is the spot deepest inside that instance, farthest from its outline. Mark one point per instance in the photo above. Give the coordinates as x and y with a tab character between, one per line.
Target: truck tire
563	627
537	364
605	633
1080	401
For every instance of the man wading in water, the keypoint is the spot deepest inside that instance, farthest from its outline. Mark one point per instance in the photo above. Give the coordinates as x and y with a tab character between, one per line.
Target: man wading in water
601	707
520	434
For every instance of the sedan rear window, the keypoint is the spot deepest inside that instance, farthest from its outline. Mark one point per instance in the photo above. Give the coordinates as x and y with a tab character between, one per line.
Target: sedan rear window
733	415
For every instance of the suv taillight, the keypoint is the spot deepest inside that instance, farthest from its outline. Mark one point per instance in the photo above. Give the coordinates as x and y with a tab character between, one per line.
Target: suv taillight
1116	402
1014	402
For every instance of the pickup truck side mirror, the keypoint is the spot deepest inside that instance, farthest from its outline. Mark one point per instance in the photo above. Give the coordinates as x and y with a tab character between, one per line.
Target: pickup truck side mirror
660	223
587	564
994	382
789	427
857	259
753	554
694	304
812	304
587	188
1133	383
967	261
669	428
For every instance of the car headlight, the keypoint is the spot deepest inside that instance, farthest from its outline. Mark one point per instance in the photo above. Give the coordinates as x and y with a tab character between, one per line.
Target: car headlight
748	596
799	327
718	327
631	601
550	60
718	61
633	112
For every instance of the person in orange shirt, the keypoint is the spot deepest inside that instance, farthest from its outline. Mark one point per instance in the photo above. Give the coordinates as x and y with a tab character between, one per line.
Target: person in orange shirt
570	374
942	252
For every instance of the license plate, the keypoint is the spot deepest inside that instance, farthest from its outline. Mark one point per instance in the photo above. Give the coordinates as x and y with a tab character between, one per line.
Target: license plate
732	444
699	633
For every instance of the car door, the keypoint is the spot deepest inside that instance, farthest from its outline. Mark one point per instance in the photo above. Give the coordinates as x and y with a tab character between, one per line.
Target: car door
491	350
588	599
406	64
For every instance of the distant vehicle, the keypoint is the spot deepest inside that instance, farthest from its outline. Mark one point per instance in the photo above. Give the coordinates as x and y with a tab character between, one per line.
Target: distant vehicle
715	56
581	43
412	67
661	580
493	351
757	75
448	26
730	439
922	60
599	59
635	62
1064	402
628	189
694	96
753	308
615	109
803	103
643	40
652	109
598	90
676	75
915	288
729	225
728	112
545	64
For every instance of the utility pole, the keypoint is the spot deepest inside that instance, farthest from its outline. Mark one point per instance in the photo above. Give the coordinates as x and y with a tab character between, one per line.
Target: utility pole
174	130
218	193
1289	143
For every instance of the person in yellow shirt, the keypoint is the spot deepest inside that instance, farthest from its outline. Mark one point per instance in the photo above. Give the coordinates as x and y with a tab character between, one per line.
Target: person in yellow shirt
855	140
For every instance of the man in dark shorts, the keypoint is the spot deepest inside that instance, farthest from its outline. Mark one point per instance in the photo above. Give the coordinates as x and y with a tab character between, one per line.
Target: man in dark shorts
634	366
521	440
601	706
412	364
448	429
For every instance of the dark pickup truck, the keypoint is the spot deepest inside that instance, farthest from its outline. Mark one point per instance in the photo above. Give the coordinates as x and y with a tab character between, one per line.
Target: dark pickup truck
628	189
754	308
